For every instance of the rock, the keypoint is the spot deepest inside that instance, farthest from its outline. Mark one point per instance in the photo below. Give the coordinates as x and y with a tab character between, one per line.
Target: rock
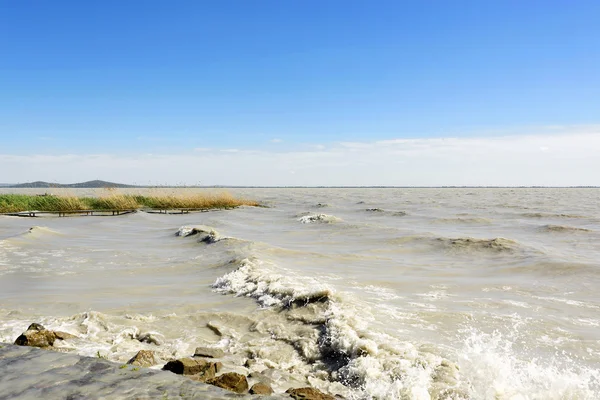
143	358
374	210
36	327
214	328
38	336
36	339
231	381
63	335
308	393
261	388
196	369
186	366
208	352
150	337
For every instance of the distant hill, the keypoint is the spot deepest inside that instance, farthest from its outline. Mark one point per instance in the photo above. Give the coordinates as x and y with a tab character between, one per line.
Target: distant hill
89	184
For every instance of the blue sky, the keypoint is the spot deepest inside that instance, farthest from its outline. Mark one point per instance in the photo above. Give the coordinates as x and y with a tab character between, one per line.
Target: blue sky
132	78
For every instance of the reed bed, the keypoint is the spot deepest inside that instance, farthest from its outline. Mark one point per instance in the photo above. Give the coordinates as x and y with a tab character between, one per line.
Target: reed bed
112	200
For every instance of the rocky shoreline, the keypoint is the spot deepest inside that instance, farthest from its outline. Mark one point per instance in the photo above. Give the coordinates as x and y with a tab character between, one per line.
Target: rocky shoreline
31	371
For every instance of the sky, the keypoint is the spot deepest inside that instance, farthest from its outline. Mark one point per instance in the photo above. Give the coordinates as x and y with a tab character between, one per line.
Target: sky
286	93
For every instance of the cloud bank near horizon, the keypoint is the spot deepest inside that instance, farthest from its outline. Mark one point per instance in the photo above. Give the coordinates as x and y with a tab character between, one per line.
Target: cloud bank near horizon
564	159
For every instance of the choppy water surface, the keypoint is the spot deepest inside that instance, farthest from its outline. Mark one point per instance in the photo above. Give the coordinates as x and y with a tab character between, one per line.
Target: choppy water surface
369	293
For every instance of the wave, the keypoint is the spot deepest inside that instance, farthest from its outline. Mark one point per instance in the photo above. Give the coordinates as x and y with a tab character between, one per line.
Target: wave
554	268
550	215
461	244
563	228
382	211
42	230
462	220
34	232
206	234
323	218
333	338
498	244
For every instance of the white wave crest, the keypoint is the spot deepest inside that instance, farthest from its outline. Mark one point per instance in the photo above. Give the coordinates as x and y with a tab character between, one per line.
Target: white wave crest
323	218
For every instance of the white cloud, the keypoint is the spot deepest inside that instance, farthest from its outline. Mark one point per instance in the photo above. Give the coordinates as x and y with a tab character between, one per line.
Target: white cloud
276	140
561	159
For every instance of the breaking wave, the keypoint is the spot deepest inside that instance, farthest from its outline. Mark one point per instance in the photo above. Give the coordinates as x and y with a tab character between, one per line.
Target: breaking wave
323	218
337	342
205	234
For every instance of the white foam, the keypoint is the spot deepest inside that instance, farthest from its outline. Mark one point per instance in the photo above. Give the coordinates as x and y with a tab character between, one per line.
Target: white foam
377	365
494	370
324	218
206	233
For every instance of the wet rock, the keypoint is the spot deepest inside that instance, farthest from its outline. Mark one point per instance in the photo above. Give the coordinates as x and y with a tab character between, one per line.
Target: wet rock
261	388
374	210
63	335
36	327
143	358
231	381
150	337
33	373
208	352
214	328
38	336
308	393
193	366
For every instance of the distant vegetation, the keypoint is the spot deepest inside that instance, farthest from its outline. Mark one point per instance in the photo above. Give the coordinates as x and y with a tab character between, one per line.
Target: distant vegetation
89	184
112	200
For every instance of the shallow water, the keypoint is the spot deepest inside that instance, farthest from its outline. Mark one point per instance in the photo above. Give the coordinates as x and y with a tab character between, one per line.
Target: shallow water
369	293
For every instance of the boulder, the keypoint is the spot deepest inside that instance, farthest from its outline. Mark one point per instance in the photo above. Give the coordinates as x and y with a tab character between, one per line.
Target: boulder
208	352
38	336
231	381
143	358
261	388
308	393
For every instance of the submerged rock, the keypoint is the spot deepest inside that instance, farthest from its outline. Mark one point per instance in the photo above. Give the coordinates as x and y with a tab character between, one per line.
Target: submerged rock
143	358
38	336
230	381
308	393
261	388
208	352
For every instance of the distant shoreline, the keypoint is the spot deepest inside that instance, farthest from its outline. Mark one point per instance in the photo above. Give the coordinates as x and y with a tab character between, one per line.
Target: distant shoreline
109	185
